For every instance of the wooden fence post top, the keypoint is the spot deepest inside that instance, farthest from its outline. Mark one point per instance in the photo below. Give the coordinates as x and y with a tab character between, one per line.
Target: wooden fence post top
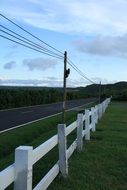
86	111
62	144
92	109
79	131
79	117
23	168
24	148
87	122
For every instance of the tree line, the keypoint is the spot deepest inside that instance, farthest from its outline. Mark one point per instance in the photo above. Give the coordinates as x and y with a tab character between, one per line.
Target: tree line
11	97
19	97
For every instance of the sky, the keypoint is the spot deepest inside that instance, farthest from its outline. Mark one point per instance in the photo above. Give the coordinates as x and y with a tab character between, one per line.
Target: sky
93	32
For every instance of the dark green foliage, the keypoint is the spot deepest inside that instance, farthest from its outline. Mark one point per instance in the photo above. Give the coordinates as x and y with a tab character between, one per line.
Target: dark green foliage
11	97
118	91
18	97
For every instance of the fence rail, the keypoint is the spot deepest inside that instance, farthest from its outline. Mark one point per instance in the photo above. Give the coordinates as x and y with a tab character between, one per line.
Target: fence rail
25	156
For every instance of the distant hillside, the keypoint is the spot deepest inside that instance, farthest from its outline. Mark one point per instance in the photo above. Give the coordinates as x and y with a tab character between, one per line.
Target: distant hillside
25	96
90	89
117	90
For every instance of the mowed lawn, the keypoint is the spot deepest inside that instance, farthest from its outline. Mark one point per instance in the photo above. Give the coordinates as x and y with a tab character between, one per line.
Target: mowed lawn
102	165
34	135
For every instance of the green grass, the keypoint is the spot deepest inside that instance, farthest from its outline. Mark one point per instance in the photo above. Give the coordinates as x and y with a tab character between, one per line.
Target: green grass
102	165
34	135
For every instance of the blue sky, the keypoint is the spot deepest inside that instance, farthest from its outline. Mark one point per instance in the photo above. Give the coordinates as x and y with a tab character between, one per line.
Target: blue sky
93	32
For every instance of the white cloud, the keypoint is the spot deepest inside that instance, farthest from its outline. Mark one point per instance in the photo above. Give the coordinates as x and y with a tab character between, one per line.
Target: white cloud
39	63
50	82
104	46
89	16
10	65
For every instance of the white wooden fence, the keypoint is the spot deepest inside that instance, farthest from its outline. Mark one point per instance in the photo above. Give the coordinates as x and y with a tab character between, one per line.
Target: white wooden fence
25	156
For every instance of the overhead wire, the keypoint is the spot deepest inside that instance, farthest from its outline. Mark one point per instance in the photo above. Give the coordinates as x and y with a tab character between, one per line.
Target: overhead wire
37	47
29	33
79	71
29	42
29	47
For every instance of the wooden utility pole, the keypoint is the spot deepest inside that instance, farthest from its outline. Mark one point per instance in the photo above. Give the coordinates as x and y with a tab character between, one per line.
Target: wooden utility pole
64	86
100	92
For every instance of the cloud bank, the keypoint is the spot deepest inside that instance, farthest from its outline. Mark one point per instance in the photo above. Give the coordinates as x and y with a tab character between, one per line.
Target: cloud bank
10	65
50	82
31	82
39	64
105	46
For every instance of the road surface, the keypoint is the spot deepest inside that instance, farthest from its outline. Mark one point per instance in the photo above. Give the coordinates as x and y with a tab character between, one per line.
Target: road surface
19	116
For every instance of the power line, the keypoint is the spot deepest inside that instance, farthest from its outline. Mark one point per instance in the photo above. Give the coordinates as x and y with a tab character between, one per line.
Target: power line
79	71
33	43
30	33
29	47
38	47
29	43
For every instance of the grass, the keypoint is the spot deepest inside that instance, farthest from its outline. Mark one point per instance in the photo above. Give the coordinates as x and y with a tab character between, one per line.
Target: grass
102	165
34	135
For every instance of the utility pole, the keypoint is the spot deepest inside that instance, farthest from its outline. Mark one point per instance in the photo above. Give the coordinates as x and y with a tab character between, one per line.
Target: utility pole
66	73
100	92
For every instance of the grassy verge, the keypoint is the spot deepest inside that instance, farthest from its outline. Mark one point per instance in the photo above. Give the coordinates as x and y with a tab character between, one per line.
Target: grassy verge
102	165
34	135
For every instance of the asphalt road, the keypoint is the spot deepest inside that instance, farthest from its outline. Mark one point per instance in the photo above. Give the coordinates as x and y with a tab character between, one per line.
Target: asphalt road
19	116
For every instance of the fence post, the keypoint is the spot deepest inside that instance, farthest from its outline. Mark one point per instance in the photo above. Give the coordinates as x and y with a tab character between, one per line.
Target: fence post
96	114
87	122
62	144
106	103
104	107
79	132
102	104
100	111
93	118
23	168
